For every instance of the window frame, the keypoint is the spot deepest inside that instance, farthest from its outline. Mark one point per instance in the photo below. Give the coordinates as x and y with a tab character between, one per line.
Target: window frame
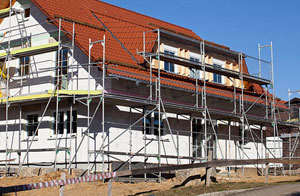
168	64
218	78
60	124
152	125
64	122
74	122
24	66
27	12
195	73
32	125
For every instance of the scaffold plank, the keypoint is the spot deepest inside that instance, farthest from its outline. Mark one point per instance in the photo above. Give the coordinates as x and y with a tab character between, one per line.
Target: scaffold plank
210	68
77	92
30	51
49	94
4	13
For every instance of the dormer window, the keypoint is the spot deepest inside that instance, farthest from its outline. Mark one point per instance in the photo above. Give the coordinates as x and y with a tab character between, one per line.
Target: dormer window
217	64
194	72
169	66
26	9
217	77
27	12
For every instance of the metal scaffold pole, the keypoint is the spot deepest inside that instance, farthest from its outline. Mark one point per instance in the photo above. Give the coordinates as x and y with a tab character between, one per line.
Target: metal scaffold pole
242	111
73	98
103	103
202	53
91	118
88	107
58	78
7	89
159	105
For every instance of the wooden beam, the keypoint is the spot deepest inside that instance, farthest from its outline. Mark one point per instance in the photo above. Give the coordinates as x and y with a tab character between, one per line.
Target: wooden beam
217	163
208	170
7	160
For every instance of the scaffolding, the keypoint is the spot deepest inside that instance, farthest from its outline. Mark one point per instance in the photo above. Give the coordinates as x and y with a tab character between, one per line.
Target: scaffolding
154	104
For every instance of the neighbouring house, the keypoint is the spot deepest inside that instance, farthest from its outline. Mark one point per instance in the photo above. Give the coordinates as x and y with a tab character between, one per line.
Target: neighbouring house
290	137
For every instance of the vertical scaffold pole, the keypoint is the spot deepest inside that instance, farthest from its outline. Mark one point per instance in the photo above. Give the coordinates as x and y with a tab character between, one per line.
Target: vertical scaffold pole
71	104
58	77
103	96
242	107
145	143
130	144
229	147
7	89
159	105
259	61
289	95
202	52
88	107
274	106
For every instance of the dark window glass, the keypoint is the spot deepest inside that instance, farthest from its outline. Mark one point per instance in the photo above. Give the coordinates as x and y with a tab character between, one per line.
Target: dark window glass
194	73
217	77
27	12
169	66
148	125
32	123
74	122
196	138
24	66
156	124
60	123
63	68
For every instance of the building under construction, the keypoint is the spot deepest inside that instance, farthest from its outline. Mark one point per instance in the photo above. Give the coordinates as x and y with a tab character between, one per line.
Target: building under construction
93	86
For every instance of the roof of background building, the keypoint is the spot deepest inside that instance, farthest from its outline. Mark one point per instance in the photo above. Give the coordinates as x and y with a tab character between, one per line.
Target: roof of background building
128	27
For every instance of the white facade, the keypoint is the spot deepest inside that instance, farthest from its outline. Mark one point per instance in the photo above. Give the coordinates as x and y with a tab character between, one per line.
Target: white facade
117	117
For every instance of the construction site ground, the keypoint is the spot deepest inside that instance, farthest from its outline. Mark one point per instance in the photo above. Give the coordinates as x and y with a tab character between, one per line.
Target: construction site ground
175	186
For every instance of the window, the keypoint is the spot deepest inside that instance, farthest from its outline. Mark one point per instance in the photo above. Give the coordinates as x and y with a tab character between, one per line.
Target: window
217	77
63	63
63	71
241	135
32	124
60	123
156	124
148	124
169	66
196	137
26	12
64	124
194	73
74	122
152	124
24	66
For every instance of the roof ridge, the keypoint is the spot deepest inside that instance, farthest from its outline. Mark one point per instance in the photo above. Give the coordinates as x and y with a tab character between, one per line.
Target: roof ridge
99	1
120	19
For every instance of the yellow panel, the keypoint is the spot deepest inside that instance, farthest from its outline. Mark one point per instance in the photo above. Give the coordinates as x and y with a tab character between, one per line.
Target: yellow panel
30	49
48	95
76	92
4	11
27	97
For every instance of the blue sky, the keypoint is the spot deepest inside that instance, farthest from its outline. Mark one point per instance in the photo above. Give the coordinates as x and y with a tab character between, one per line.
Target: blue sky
241	25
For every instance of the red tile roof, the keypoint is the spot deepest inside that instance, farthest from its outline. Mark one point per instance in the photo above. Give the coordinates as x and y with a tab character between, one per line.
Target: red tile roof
128	27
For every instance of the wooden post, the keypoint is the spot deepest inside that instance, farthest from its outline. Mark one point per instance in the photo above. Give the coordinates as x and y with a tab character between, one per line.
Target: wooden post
267	173
267	169
109	193
208	169
62	188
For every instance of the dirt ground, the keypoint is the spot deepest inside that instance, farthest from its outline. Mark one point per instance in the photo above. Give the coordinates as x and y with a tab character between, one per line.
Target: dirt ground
120	189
